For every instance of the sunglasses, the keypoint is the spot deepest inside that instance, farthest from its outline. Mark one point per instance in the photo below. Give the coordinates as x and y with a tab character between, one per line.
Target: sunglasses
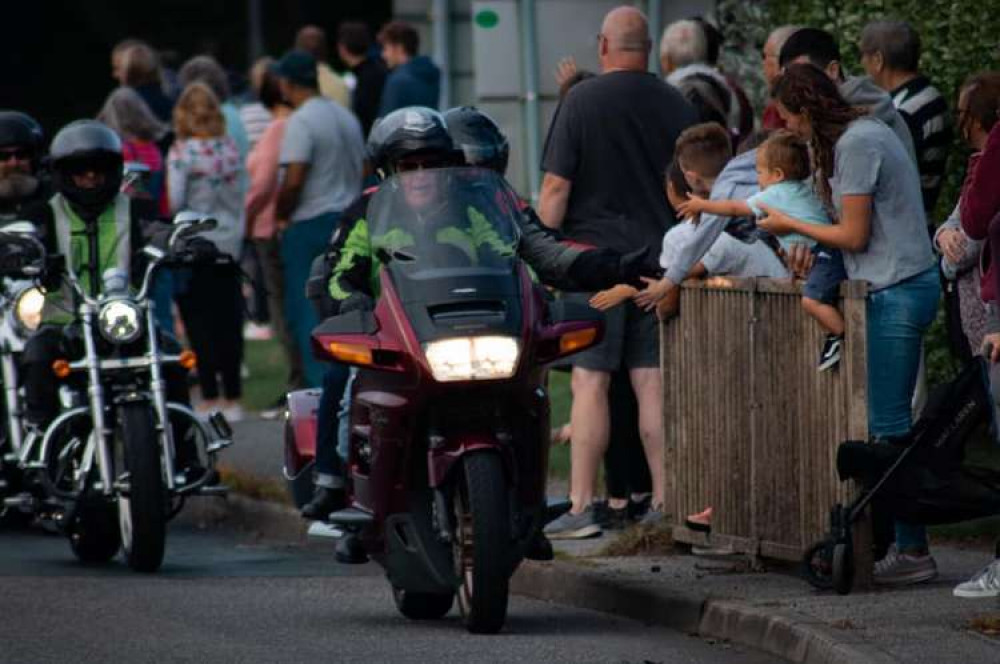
20	154
420	164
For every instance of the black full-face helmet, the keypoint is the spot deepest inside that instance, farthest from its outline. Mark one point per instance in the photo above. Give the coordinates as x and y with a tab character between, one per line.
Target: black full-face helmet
20	130
414	132
82	146
478	137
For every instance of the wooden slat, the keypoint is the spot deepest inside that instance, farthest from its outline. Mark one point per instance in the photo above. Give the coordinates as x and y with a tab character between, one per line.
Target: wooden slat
751	427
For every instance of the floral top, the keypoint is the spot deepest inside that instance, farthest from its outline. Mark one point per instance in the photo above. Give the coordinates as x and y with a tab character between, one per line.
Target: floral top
206	176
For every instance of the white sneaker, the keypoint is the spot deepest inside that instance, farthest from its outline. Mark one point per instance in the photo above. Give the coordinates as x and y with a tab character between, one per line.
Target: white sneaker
984	583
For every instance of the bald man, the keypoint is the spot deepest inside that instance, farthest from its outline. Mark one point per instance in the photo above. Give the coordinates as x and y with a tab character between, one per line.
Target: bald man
608	149
772	49
312	40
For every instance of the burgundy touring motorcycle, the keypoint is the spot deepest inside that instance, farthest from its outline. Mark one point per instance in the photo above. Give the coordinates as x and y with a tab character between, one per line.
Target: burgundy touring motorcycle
449	421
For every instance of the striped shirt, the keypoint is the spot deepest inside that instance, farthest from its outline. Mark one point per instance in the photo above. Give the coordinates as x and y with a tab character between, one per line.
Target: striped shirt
255	119
926	114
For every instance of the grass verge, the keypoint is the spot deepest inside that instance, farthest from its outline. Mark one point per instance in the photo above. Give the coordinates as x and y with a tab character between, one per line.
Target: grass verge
255	487
640	541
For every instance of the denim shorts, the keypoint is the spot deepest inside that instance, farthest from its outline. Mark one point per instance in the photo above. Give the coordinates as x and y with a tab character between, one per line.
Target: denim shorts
826	275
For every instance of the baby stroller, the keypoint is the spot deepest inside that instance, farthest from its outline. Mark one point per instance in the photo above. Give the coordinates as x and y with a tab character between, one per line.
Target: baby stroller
919	478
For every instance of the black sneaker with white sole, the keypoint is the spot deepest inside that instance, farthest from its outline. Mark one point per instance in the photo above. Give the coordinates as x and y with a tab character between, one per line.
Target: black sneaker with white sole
829	357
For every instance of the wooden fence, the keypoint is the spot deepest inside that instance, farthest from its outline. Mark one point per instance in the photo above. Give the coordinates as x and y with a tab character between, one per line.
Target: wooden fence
751	426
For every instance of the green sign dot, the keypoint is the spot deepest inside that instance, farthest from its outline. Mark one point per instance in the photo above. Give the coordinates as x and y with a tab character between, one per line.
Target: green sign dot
487	19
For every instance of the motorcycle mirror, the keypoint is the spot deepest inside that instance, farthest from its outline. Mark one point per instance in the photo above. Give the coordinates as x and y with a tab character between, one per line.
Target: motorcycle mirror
386	256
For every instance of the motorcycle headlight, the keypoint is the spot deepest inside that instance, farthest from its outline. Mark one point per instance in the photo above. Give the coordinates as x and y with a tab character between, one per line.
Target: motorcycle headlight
119	321
28	309
472	358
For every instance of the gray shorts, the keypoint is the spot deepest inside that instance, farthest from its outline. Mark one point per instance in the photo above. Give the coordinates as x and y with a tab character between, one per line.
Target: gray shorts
631	339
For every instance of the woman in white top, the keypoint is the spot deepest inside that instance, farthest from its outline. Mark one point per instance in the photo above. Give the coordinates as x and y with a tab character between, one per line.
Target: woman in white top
205	176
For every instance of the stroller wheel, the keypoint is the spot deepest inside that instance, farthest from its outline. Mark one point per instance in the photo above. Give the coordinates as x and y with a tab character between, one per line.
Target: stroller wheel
817	565
843	568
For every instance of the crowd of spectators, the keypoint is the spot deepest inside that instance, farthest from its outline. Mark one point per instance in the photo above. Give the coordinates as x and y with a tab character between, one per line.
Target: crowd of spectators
839	182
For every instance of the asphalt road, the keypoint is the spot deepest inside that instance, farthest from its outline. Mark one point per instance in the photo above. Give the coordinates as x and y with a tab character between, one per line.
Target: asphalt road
218	599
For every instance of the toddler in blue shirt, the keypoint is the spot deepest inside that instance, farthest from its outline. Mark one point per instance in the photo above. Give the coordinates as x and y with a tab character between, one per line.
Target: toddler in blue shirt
783	171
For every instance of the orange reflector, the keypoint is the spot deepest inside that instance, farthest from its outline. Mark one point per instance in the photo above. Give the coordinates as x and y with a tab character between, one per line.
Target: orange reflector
60	368
351	353
577	340
188	359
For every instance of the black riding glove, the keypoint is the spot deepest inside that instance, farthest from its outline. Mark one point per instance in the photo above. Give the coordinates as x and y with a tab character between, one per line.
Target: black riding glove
598	269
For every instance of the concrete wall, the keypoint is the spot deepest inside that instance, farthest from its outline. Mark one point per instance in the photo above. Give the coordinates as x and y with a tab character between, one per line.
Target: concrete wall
489	75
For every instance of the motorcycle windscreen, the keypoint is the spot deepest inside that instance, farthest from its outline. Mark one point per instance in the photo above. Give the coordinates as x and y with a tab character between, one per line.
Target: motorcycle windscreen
448	239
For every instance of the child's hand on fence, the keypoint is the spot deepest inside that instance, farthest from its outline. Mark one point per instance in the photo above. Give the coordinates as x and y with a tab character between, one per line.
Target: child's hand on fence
612	297
692	207
655	291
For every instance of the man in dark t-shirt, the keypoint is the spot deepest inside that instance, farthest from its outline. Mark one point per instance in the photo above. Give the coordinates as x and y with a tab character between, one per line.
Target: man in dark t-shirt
605	161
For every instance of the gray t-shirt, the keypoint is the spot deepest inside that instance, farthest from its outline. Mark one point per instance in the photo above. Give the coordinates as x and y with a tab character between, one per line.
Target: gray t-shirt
328	138
870	160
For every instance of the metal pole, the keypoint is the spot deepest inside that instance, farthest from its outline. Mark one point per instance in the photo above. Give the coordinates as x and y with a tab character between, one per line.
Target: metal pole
255	38
441	26
655	27
529	47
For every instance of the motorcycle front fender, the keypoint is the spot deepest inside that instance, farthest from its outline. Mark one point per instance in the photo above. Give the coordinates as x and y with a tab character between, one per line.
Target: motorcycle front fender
443	458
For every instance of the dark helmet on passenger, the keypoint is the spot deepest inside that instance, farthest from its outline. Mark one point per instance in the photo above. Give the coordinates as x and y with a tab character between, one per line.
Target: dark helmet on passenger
478	137
411	132
82	146
20	130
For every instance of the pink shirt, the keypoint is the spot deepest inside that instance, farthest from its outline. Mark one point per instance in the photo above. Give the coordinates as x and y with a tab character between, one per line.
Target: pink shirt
262	165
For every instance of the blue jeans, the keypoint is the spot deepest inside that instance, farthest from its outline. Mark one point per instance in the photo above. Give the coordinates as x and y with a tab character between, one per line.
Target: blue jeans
329	463
300	244
163	299
898	317
344	417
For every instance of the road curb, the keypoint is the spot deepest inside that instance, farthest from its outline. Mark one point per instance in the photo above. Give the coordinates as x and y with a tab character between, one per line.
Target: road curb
793	636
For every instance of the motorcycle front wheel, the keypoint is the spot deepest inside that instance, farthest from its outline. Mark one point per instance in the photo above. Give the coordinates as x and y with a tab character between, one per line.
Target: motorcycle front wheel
422	606
482	536
144	510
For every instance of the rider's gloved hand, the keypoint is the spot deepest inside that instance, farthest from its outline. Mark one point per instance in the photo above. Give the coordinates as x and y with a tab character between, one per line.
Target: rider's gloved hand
357	302
198	250
598	269
637	264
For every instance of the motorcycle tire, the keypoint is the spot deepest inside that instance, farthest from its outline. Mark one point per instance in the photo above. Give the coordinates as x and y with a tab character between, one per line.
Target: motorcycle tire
422	606
143	513
93	534
843	568
483	532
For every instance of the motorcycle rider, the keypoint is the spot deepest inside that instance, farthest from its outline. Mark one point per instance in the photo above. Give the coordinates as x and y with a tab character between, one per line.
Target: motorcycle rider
94	227
22	182
418	138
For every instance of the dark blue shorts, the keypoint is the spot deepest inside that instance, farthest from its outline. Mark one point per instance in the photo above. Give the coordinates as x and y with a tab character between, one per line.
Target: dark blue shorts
823	283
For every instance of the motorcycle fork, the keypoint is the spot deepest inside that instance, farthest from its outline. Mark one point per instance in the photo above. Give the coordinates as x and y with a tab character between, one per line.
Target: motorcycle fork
95	394
158	389
11	402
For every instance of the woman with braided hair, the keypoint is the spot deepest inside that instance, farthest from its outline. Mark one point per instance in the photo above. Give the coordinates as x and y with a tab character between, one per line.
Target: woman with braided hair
868	181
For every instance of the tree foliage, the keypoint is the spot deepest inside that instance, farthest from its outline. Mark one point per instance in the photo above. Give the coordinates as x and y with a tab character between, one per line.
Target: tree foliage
958	37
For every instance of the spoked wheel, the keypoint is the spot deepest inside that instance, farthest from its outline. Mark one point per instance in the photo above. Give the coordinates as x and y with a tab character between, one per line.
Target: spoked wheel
482	543
422	606
144	509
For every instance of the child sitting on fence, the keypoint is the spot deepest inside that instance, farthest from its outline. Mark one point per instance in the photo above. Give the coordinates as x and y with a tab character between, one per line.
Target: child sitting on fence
783	172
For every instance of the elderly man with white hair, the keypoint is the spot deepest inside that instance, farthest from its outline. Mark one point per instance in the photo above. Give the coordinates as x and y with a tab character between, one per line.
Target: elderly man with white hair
684	58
